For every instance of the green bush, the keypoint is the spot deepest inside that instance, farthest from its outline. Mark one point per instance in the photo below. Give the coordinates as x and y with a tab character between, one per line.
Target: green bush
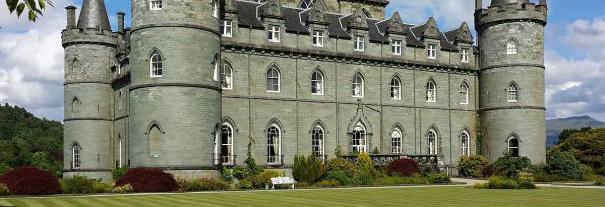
227	175
497	182
3	168
342	177
251	166
510	167
341	165
245	183
78	185
202	184
328	184
600	171
398	180
240	172
364	170
101	187
263	179
4	190
308	169
119	172
472	166
438	178
123	189
563	164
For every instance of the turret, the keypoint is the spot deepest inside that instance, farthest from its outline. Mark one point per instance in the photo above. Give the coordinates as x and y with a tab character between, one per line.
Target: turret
512	111
175	95
89	50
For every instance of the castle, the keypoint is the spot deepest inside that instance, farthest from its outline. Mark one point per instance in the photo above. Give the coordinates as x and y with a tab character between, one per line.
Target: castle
193	85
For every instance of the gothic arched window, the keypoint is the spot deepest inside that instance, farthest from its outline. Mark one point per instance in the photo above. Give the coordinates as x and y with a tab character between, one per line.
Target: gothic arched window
155	140
227	144
274	144
465	139
464	93
273	79
75	156
227	76
513	146
431	91
431	138
155	64
357	87
359	144
396	88
396	141
75	105
512	93
317	141
317	83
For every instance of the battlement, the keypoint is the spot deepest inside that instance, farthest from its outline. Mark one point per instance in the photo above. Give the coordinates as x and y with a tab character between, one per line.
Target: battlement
90	36
511	12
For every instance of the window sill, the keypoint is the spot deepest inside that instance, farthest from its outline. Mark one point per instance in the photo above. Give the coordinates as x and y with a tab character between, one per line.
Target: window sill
317	94
272	91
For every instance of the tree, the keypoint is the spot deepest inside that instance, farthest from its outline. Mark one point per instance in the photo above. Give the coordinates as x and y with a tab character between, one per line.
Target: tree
34	7
587	147
566	133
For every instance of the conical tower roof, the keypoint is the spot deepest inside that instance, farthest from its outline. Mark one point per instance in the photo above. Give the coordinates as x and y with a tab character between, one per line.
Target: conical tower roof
94	15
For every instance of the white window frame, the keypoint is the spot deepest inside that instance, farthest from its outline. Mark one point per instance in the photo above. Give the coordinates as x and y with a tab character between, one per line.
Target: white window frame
518	147
155	5
396	47
76	161
273	33
511	48
278	78
432	142
464	54
227	77
227	28
431	91
396	141
317	141
318	38
156	67
465	143
357	83
215	8
317	83
274	159
464	94
227	159
432	51
512	93
359	144
359	43
395	88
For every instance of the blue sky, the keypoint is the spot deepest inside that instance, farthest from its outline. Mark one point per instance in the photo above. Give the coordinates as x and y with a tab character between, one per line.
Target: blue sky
31	57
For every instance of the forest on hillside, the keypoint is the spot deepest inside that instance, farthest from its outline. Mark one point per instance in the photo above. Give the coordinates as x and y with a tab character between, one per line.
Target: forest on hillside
28	140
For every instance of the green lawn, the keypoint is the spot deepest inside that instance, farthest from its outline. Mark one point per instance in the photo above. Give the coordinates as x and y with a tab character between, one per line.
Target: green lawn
424	196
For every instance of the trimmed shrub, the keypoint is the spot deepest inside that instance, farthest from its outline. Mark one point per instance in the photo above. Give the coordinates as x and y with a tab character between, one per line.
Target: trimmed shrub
439	178
403	167
328	184
119	172
78	185
30	181
365	171
4	190
497	182
148	180
340	176
227	175
263	179
472	166
123	189
308	169
511	166
342	165
203	184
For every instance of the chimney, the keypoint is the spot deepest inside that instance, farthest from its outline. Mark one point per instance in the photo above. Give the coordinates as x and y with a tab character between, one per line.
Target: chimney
71	17
120	22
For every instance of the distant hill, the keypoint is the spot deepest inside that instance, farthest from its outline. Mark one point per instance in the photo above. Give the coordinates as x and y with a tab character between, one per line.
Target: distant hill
555	126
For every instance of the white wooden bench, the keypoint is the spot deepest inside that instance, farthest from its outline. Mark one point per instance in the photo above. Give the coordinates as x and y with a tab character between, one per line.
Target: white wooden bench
282	181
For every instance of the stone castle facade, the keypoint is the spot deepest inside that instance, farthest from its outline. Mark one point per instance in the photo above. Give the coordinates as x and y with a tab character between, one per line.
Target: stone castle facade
193	85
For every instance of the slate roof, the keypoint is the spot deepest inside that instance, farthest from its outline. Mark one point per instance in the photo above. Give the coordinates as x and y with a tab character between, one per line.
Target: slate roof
295	19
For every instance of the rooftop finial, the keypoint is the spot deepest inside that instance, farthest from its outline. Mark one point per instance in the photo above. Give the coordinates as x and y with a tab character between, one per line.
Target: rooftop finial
94	15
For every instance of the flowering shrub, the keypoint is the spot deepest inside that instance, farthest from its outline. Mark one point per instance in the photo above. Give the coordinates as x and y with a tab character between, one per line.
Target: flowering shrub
148	180
123	189
30	181
403	167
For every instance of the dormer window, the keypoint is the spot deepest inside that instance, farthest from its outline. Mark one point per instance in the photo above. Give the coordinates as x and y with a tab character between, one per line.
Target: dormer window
359	43
318	38
464	55
396	47
432	51
227	28
155	4
273	33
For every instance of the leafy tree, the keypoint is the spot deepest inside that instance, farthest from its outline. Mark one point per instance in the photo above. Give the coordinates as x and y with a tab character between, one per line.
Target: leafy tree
587	147
34	7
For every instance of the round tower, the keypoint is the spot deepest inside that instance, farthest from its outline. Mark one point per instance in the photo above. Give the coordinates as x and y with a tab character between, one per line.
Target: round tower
89	47
512	111
175	97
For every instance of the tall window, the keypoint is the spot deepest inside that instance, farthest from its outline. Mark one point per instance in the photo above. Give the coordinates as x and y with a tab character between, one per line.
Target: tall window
155	4
119	151
431	91
227	28
396	88
359	43
75	156
305	4
357	87
155	140
273	33
512	93
396	47
396	141
317	83
464	93
513	146
317	141
273	145
465	139
464	55
431	138
155	64
432	51
227	76
318	38
359	144
273	80
511	48
215	8
75	105
227	144
120	100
